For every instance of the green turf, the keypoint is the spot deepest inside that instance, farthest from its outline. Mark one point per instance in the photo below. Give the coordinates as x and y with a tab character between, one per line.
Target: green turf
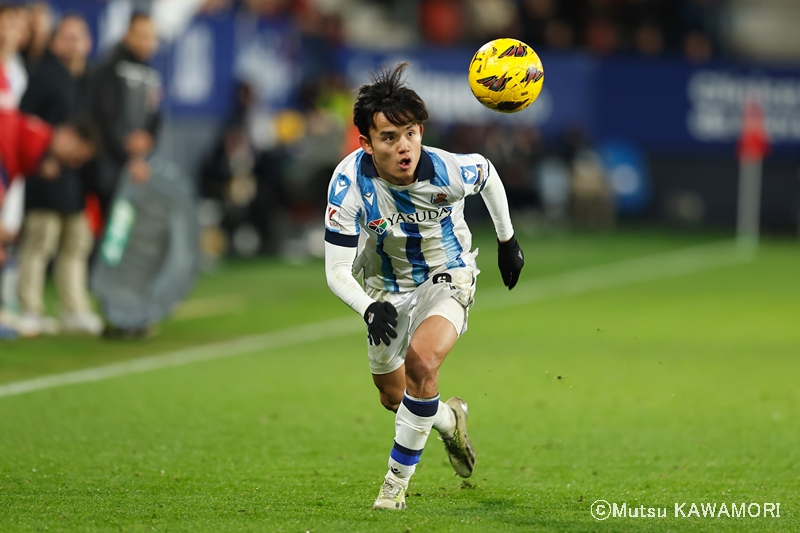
682	389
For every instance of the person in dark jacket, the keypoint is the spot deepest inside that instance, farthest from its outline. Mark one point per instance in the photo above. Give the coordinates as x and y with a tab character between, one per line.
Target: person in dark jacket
54	219
126	92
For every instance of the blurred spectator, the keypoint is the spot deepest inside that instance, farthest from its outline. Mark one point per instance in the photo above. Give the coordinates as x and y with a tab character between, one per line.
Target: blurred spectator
534	16
54	219
602	36
649	40
266	8
246	180
210	7
441	21
489	18
13	80
13	76
559	35
553	180
40	24
321	37
697	47
29	146
126	92
515	152
592	199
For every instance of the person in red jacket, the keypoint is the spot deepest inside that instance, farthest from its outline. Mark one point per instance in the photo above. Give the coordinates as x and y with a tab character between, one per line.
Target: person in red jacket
28	145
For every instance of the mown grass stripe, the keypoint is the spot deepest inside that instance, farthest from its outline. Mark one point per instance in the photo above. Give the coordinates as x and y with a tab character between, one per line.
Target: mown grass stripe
649	268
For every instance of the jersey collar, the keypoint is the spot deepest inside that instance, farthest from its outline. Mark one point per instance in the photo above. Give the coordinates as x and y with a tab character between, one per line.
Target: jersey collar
425	170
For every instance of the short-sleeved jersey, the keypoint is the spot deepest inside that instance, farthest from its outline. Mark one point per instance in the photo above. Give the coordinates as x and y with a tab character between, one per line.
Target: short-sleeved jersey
411	231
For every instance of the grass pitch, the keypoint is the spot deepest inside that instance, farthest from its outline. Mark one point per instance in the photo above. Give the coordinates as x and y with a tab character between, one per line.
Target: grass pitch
648	382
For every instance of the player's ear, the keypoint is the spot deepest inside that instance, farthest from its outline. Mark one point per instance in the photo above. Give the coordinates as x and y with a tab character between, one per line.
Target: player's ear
365	144
421	129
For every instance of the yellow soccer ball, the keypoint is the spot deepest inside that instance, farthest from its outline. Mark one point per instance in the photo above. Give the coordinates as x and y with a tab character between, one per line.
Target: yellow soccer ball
506	75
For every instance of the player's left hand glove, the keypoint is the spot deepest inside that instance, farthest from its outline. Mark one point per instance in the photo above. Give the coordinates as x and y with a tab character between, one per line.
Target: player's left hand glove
381	319
510	260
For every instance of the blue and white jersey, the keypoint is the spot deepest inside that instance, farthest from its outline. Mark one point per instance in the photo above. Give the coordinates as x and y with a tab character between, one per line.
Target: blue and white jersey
411	231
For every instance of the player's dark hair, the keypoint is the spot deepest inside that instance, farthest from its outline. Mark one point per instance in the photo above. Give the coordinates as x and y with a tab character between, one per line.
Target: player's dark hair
388	94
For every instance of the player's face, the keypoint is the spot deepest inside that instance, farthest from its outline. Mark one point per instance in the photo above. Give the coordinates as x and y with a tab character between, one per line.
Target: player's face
394	149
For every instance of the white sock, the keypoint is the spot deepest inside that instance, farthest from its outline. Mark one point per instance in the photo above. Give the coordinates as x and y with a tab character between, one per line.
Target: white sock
445	421
412	425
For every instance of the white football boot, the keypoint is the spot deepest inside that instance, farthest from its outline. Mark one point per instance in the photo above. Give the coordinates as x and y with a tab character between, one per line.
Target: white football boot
392	495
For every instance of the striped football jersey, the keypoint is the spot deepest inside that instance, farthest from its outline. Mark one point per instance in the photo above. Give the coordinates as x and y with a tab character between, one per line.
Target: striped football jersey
406	232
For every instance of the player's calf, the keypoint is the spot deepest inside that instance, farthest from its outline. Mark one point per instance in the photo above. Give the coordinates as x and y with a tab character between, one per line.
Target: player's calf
390	402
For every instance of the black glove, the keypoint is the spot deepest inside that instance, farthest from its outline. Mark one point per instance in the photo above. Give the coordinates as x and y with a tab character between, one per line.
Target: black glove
510	260
381	318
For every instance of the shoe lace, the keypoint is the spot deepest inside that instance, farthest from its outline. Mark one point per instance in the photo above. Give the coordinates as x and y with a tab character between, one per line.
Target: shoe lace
391	489
453	442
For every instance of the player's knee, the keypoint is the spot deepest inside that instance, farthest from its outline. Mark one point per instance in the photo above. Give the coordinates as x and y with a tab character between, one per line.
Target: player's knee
420	366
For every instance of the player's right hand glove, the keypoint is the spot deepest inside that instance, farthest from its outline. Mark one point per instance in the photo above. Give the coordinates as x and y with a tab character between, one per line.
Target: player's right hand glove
510	260
381	319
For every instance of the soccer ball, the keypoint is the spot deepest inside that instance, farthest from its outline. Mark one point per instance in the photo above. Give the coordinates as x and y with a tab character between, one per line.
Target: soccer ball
506	75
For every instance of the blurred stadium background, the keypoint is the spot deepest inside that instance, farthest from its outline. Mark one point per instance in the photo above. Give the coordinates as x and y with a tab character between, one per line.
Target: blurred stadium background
638	119
641	358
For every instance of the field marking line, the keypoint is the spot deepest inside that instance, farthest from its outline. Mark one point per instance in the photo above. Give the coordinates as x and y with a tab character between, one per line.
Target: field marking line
627	272
219	350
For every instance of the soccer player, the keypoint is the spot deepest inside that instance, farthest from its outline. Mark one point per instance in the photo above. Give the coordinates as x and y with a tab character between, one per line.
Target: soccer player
396	212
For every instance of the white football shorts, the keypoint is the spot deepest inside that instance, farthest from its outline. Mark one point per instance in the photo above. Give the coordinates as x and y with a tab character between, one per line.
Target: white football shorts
446	293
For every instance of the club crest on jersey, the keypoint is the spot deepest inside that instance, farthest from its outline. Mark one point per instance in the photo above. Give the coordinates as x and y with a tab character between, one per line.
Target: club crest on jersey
378	226
437	199
472	174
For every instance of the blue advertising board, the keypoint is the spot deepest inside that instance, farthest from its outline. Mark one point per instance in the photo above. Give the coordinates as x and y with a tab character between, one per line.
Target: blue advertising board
195	68
675	105
663	104
440	78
